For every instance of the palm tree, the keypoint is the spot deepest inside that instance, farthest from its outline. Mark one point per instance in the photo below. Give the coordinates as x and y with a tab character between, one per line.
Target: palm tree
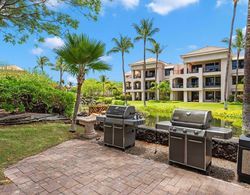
229	55
157	49
122	45
238	44
42	62
246	99
81	55
145	32
61	67
103	80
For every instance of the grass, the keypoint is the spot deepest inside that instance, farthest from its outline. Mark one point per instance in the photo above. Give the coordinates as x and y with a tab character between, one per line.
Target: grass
19	142
233	114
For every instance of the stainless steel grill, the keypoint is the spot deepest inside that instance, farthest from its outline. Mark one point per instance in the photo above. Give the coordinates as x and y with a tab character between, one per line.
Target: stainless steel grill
120	123
190	138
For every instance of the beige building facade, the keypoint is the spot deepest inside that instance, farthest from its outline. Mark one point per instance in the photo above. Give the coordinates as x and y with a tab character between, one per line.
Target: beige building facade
201	77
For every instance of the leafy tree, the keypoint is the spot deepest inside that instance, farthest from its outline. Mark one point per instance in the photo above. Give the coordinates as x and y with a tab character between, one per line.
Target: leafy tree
246	99
103	80
238	44
145	32
122	45
163	87
157	49
37	17
42	62
82	55
229	54
61	67
92	88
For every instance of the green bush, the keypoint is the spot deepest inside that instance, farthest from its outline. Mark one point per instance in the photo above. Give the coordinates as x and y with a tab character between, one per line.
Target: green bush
33	93
122	97
105	100
118	102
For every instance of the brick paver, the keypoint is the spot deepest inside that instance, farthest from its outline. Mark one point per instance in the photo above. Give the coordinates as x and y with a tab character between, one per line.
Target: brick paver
84	167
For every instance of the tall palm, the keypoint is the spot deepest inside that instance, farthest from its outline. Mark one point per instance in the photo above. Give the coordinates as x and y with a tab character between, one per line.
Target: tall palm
145	32
238	43
82	55
123	44
103	80
229	55
246	99
61	67
42	62
157	49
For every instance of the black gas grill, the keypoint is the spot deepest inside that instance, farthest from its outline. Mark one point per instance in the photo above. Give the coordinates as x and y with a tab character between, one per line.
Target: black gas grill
190	137
120	123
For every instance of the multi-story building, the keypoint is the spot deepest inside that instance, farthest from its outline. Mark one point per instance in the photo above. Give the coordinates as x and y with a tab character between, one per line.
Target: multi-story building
200	79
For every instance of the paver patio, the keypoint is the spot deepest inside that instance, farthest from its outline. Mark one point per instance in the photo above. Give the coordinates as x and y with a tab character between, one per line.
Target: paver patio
84	167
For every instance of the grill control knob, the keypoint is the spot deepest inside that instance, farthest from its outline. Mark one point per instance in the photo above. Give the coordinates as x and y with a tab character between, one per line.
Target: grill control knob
184	131
196	132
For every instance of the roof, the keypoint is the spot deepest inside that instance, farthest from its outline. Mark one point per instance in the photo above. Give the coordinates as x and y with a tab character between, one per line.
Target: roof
10	67
128	73
148	61
206	50
241	57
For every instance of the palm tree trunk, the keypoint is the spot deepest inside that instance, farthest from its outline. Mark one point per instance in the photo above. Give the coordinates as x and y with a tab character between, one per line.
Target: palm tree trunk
42	68
144	74
246	99
61	75
229	58
103	87
237	76
80	81
124	79
156	70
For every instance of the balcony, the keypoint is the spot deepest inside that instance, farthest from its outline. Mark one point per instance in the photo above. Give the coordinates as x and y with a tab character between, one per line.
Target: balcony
192	85
212	67
177	83
150	75
137	76
212	85
128	87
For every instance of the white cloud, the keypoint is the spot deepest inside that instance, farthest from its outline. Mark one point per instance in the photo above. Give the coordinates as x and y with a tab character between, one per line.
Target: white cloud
37	51
53	42
163	7
219	3
192	47
106	58
71	79
54	3
127	4
244	30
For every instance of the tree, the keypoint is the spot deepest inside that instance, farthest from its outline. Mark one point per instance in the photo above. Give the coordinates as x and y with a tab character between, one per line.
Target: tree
157	49
61	67
145	31
163	87
122	45
229	55
82	55
42	62
246	96
39	17
238	44
103	80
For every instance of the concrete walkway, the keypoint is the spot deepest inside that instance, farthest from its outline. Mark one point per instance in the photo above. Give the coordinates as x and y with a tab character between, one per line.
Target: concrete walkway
83	167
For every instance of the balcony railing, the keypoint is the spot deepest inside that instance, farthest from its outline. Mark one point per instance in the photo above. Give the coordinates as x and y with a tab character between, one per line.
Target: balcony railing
192	85
193	71
150	75
137	87
137	76
128	87
217	69
179	85
212	85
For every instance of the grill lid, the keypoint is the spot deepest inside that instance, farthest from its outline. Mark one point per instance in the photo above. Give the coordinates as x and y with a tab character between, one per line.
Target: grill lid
199	119
120	111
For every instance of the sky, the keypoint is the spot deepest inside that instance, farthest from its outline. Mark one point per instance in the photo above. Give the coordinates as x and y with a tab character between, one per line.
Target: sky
185	25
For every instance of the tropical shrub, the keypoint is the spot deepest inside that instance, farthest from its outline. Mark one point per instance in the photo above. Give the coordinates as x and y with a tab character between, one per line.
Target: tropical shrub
122	97
118	102
105	100
33	93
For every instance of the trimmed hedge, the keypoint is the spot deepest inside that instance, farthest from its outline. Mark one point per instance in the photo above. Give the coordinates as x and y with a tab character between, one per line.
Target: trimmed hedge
33	93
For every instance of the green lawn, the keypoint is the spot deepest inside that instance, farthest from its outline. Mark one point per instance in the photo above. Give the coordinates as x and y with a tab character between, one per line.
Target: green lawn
233	114
18	142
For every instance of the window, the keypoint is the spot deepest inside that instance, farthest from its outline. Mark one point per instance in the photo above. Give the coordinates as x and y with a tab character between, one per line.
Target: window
240	80
210	95
234	64
212	81
213	96
167	72
212	67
